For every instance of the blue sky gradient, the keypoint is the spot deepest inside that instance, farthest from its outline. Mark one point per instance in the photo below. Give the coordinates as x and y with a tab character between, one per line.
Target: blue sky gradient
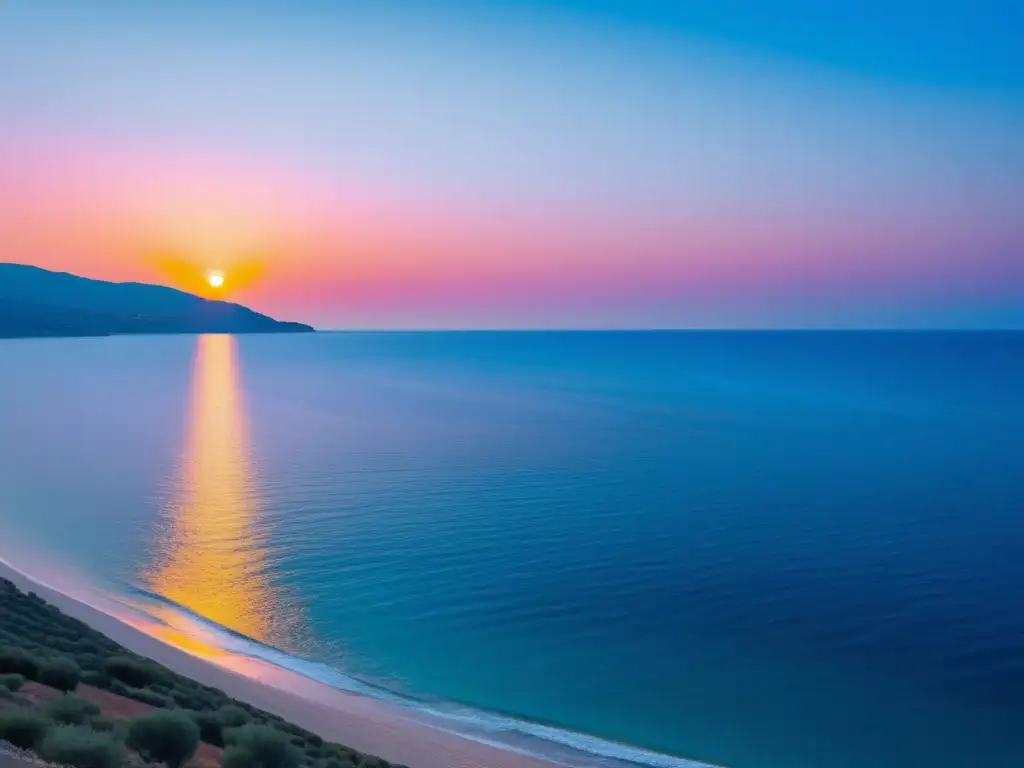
839	116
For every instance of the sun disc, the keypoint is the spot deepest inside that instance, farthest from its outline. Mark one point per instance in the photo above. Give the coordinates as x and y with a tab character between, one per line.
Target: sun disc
215	279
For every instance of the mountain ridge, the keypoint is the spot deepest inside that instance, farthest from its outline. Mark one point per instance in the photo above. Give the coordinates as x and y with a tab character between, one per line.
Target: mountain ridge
40	302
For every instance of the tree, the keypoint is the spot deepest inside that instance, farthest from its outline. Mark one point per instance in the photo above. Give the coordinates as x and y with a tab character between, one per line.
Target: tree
212	724
20	662
257	745
236	757
80	747
232	716
210	727
12	682
167	737
70	709
23	728
60	673
137	674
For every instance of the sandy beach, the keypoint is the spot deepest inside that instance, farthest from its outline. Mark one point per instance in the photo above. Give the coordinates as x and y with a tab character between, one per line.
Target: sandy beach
360	722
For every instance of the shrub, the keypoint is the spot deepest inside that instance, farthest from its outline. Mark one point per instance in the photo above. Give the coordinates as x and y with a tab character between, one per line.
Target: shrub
70	709
139	694
135	673
232	716
167	737
81	747
95	678
258	745
86	656
60	673
23	728
20	662
12	681
344	754
187	699
236	757
33	632
212	724
148	697
324	751
210	727
103	723
116	686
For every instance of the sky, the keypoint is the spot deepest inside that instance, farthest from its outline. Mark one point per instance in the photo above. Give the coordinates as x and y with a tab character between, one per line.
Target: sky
544	164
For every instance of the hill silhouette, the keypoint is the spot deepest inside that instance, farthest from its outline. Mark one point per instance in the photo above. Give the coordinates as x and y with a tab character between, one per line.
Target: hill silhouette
38	302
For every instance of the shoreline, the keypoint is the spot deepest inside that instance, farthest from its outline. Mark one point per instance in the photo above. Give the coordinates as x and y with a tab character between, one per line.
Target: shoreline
363	723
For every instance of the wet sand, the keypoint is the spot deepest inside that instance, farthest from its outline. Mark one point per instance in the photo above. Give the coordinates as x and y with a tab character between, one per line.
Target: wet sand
366	724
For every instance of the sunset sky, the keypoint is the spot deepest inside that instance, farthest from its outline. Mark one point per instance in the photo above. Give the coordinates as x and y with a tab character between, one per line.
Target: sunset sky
619	163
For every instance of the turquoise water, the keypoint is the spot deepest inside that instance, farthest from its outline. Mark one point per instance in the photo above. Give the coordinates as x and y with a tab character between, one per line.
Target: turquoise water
751	550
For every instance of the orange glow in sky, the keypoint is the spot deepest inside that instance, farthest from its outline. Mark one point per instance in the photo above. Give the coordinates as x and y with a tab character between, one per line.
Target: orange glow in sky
196	277
471	173
298	245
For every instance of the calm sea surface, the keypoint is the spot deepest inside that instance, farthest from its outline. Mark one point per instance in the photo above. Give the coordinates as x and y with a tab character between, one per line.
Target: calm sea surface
751	550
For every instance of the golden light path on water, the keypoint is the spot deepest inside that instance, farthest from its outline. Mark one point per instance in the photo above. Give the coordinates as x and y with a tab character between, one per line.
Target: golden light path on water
211	554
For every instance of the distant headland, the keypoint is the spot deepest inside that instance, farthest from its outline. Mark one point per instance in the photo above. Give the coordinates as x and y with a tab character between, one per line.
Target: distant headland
38	302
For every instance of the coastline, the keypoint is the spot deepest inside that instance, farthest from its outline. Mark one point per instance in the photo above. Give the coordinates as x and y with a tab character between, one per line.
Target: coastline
366	724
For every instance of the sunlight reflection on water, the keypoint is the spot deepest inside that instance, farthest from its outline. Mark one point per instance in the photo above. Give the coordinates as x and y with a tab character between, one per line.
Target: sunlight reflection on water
211	553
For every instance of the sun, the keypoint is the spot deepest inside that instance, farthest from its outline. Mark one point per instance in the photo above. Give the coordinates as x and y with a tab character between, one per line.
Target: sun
215	279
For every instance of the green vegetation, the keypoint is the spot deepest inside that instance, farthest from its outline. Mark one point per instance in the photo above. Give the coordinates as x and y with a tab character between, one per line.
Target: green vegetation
23	728
70	710
60	673
12	682
164	737
145	695
19	662
81	747
213	724
103	723
134	672
39	643
261	747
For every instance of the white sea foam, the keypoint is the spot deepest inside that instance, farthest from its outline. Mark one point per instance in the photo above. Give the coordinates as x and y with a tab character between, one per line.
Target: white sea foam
570	748
503	731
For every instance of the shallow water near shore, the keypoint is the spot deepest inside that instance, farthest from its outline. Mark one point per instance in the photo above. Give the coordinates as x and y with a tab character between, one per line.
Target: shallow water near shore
750	550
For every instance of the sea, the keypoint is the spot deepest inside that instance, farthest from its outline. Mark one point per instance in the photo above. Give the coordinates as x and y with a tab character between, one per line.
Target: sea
746	550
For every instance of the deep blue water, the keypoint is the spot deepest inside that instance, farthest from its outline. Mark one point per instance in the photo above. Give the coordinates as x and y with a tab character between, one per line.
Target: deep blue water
757	550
